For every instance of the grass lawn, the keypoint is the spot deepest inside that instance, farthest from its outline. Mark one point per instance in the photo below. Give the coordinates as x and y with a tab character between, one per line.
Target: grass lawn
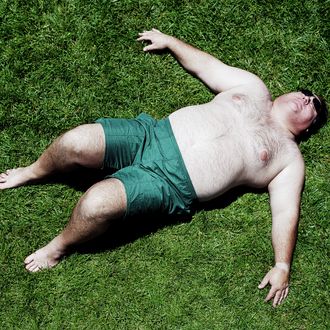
64	63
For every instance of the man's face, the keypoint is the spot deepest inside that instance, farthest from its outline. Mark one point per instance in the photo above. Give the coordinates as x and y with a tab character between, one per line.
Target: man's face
298	109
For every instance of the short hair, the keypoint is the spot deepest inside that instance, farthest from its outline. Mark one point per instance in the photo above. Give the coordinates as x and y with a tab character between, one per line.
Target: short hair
319	121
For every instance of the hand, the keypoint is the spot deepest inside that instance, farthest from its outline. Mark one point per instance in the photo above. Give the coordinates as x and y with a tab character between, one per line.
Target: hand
158	40
279	280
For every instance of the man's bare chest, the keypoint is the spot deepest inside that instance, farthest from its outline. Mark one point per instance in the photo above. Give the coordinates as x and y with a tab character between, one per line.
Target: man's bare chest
225	150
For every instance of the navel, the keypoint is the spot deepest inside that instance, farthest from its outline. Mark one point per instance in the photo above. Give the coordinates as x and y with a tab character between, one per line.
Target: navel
264	156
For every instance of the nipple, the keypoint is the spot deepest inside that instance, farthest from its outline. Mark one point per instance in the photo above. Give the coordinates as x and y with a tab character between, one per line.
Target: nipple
237	97
264	156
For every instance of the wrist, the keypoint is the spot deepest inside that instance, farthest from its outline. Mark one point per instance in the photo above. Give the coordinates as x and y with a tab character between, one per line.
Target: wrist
172	42
283	265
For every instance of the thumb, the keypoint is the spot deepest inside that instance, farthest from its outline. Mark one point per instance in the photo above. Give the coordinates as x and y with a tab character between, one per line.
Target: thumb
264	282
149	48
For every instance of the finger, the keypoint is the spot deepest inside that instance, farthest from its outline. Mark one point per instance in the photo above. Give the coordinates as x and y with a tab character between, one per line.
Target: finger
271	294
263	283
144	33
277	298
282	297
149	48
286	293
142	37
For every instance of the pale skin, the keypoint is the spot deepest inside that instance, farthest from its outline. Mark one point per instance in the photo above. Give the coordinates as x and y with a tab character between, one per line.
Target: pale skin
241	133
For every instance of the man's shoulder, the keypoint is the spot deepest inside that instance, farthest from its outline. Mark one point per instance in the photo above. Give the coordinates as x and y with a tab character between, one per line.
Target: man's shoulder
297	160
292	158
291	168
255	96
256	89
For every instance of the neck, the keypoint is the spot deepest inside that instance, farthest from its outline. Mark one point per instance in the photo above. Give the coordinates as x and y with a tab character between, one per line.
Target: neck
281	124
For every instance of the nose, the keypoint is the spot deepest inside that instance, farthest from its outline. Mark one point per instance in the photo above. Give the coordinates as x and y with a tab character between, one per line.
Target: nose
308	99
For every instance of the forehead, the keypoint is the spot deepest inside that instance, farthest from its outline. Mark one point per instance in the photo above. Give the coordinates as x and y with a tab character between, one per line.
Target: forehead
290	95
300	93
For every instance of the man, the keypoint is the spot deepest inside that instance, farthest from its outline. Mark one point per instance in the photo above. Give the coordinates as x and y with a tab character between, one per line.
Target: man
198	153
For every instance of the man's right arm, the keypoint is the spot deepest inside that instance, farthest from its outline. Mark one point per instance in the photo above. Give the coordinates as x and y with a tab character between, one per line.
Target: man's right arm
215	74
285	194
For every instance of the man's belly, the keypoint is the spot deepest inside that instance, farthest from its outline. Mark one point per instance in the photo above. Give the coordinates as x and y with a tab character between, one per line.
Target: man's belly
210	172
218	158
207	151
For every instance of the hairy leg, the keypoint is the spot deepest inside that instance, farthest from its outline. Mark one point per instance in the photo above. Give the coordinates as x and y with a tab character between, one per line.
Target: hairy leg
83	145
91	217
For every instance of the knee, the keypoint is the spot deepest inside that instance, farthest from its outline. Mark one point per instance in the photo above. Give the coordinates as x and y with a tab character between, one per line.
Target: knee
100	204
84	145
91	207
72	142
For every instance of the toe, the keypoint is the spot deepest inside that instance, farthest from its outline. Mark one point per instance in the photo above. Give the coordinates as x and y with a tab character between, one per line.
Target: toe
35	269
29	259
31	267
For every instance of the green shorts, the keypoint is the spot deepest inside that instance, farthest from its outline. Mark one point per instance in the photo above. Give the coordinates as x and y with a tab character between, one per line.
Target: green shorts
147	160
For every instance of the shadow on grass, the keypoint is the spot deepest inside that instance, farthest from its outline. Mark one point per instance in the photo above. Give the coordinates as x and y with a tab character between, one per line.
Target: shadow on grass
125	231
81	178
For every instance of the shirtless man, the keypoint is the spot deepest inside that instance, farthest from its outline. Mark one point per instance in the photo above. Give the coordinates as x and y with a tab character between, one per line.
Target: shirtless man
240	137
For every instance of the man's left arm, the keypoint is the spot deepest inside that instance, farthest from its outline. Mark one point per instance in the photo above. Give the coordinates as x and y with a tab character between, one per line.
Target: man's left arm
285	194
215	74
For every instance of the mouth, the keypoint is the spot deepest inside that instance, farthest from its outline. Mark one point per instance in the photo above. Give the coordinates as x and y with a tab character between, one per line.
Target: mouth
299	104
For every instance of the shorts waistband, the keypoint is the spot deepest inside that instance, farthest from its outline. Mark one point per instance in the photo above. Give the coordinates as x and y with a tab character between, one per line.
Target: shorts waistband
166	123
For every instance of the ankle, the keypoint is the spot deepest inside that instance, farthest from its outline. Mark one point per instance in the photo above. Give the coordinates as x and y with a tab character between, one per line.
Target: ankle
59	245
35	171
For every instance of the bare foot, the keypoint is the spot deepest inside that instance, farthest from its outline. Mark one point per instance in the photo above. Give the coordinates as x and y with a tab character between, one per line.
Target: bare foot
16	177
46	257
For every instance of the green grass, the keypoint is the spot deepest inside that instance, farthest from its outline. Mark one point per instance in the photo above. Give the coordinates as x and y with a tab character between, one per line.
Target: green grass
63	63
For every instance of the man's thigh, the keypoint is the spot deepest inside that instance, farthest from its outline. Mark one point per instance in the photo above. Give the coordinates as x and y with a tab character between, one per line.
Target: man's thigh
123	141
147	193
